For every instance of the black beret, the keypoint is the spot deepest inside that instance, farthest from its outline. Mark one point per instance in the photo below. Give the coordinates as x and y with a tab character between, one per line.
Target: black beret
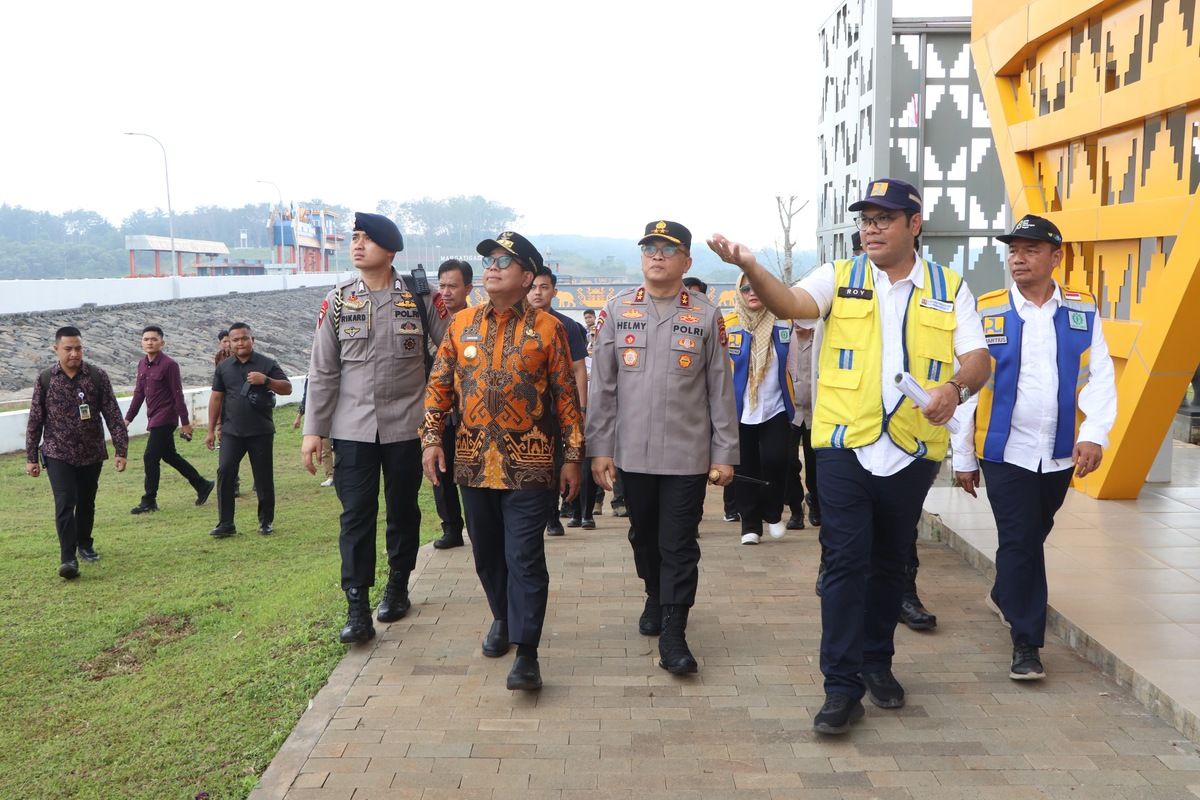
671	231
380	229
514	244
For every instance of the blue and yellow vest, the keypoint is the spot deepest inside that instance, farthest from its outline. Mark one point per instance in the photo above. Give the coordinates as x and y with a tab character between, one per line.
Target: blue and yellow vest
741	343
848	410
1002	326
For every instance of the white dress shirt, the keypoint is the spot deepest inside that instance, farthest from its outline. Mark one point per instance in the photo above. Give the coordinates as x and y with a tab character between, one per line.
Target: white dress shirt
770	395
882	457
1035	413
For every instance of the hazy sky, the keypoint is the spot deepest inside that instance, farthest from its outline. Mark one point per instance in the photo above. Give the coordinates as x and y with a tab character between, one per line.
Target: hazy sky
588	118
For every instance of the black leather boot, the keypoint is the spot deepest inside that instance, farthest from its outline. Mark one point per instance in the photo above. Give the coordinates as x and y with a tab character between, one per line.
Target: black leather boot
358	617
395	603
650	623
673	652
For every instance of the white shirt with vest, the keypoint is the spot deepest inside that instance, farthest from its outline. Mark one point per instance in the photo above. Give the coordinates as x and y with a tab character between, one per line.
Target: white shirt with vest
1035	412
882	457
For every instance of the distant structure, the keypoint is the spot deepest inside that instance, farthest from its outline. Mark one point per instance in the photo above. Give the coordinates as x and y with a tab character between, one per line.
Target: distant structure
901	99
310	236
158	245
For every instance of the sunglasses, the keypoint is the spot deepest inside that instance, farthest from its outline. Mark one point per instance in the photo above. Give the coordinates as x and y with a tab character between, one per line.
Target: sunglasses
746	289
499	262
667	250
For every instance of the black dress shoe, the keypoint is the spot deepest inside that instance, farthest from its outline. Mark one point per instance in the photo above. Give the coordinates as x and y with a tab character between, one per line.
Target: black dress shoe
574	522
447	541
820	578
394	605
555	529
650	623
814	513
89	554
795	522
914	615
68	570
266	529
836	715
525	674
203	493
589	524
496	643
144	508
883	689
223	530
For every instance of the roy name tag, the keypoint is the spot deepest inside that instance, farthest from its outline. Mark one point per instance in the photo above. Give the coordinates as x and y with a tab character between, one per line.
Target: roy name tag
938	305
855	293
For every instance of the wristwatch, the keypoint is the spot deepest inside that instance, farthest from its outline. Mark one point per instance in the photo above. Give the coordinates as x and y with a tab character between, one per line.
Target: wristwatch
964	394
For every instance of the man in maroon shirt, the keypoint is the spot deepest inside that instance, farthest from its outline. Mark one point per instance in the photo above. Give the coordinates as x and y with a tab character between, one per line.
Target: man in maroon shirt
159	384
64	417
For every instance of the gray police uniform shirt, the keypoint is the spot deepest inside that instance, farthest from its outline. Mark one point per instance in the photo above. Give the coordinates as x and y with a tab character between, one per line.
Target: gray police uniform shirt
366	377
660	399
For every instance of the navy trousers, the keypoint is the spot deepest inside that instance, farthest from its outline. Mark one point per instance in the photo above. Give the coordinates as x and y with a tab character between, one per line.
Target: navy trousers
1024	504
506	528
868	526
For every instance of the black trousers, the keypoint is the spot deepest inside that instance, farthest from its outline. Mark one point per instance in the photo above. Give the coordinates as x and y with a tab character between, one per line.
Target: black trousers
161	447
1024	504
445	494
585	502
868	527
261	450
74	504
356	471
506	528
664	514
764	455
801	478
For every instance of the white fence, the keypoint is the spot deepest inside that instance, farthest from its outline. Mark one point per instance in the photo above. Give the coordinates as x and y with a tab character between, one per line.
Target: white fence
22	296
14	423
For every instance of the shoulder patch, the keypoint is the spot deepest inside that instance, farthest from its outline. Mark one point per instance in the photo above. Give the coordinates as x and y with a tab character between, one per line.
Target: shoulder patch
601	318
721	334
321	314
440	305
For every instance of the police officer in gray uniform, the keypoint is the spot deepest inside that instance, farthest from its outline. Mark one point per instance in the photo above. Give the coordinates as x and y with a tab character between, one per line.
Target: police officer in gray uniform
660	368
366	387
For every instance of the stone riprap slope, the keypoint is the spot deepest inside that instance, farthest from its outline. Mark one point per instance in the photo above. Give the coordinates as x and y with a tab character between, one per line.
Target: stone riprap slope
282	322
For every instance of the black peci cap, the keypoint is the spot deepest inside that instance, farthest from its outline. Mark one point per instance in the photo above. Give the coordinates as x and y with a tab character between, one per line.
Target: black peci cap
890	193
516	245
1035	228
382	230
671	231
695	284
856	241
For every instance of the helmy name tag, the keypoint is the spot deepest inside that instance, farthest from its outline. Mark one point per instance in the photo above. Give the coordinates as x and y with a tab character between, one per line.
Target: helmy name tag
1077	321
934	303
855	293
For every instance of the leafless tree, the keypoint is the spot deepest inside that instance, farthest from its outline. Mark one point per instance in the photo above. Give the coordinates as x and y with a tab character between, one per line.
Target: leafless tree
788	210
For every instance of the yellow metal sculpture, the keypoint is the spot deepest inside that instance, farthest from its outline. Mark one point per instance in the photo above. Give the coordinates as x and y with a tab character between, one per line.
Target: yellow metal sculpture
1095	109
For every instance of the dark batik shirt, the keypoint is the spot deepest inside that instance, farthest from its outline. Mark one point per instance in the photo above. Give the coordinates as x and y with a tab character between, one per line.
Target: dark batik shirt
55	420
159	384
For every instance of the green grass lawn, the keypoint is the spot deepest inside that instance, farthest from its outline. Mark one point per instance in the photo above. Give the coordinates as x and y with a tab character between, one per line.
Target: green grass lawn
178	663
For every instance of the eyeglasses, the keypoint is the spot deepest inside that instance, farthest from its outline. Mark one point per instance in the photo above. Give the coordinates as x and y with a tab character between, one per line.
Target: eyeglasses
498	262
879	223
746	289
667	250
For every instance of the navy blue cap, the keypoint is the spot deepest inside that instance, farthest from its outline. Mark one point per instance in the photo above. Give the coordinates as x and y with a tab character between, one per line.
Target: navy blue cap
380	229
1035	228
890	193
671	231
514	244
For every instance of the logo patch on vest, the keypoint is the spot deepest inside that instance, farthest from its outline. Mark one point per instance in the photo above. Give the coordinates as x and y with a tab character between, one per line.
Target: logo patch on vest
735	343
785	335
934	303
855	293
1077	321
993	326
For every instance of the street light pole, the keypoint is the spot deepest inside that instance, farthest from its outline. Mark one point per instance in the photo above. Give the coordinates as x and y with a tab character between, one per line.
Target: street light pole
278	192
170	212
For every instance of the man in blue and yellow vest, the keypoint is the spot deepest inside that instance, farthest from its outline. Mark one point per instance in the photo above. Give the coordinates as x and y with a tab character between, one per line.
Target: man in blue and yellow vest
886	312
1051	365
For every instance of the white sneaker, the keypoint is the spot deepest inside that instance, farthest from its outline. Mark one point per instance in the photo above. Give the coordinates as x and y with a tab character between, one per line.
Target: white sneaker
327	482
751	538
777	529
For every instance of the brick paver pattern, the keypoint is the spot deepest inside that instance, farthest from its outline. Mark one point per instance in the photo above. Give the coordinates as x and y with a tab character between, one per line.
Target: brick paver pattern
428	716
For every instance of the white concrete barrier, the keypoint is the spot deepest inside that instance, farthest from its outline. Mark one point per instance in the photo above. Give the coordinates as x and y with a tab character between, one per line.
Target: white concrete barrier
24	296
14	423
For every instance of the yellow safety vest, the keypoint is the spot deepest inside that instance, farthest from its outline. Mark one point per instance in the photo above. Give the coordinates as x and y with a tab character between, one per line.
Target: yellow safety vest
849	411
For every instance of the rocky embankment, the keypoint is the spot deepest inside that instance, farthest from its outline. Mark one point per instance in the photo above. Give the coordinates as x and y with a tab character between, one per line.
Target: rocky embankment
282	323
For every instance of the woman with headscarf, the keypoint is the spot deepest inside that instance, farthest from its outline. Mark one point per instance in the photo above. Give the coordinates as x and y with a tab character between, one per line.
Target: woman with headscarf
758	346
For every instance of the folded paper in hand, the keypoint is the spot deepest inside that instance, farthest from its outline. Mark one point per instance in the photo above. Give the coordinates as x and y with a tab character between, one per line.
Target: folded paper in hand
912	390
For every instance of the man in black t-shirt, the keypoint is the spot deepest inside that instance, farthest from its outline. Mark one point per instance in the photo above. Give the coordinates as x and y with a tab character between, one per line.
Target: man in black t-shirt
242	402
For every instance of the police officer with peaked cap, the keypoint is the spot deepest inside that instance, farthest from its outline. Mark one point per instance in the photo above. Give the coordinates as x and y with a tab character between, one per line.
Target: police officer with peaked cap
366	385
660	369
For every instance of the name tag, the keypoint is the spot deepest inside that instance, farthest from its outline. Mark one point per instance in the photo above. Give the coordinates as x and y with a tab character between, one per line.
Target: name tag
472	337
85	411
996	340
938	305
855	293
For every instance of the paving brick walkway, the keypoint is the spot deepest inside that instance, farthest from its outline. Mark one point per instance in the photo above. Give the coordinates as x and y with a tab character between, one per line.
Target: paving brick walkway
420	713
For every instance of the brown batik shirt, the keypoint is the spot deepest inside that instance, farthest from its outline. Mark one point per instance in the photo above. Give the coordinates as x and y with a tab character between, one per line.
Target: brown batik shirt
507	374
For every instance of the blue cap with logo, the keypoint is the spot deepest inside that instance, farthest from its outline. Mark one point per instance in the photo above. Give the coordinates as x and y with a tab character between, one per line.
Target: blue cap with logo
890	193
